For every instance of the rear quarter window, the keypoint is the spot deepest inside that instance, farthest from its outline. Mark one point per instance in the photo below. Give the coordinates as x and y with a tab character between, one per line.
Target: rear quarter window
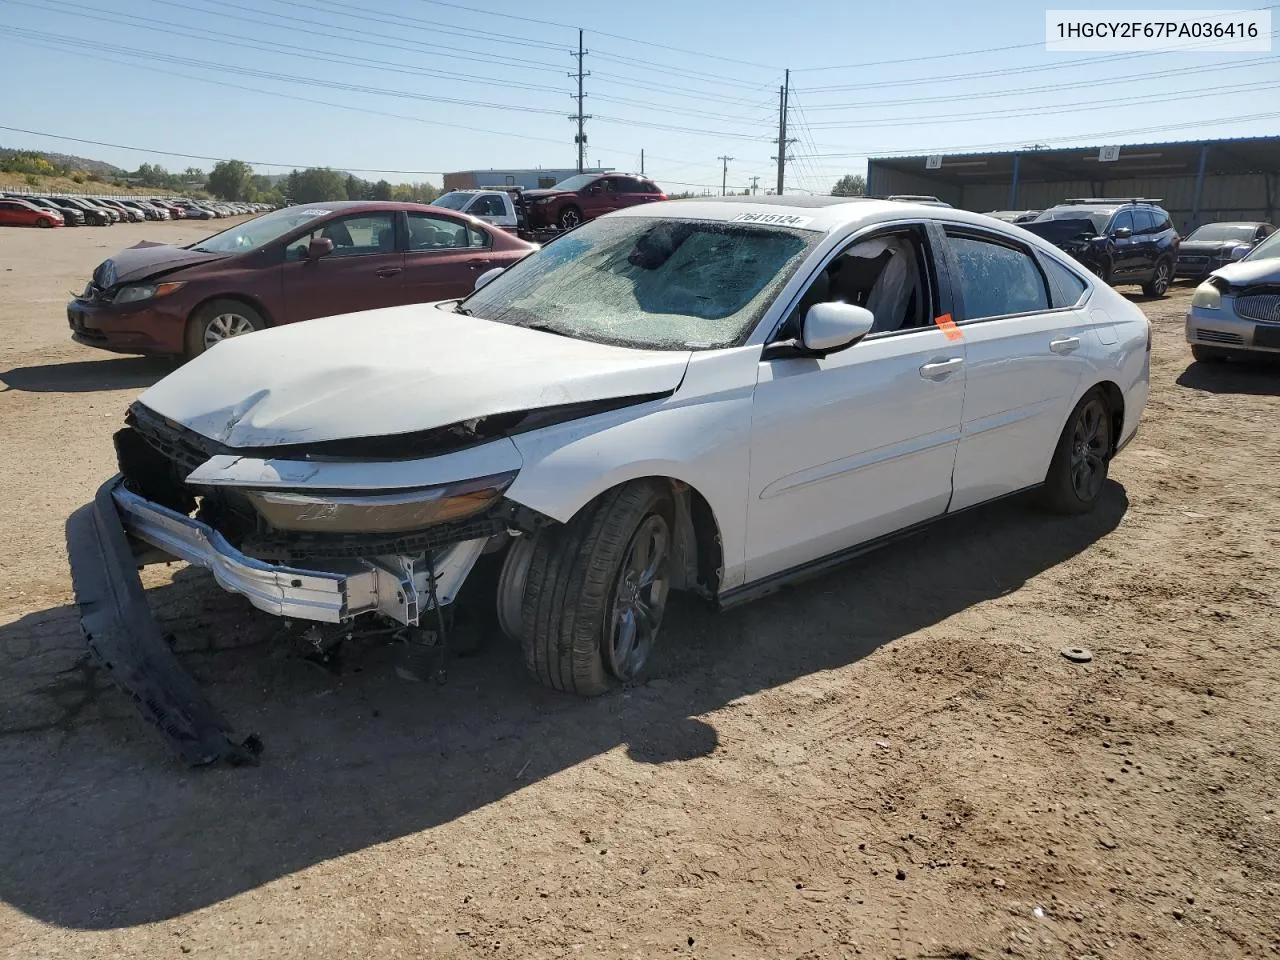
1066	288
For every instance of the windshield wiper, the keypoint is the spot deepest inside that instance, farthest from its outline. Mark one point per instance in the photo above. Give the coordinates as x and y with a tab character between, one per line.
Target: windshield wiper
544	328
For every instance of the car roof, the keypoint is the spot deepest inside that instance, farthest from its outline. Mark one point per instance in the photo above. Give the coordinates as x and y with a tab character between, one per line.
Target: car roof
807	212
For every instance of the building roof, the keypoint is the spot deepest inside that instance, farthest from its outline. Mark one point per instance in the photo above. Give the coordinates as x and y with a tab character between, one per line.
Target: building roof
1181	158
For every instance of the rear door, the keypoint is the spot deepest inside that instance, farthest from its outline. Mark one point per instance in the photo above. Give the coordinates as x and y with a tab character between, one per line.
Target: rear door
362	273
1023	321
443	256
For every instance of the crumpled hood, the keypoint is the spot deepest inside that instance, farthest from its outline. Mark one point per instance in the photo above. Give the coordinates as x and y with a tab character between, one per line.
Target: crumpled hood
392	371
146	259
1248	272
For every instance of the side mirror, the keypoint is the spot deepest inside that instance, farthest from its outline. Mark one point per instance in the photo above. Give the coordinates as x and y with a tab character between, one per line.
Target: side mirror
593	190
829	327
1239	252
1122	233
488	277
319	247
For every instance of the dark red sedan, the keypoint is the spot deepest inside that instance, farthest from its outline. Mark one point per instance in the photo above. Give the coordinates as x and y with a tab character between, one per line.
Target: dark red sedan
314	260
587	196
20	213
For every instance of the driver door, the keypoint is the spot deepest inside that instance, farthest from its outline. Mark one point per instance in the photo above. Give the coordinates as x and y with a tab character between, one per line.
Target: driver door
600	198
860	443
362	273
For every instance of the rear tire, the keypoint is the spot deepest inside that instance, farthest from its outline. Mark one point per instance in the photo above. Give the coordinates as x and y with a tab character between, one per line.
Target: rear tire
1208	354
1158	285
597	589
1078	471
220	320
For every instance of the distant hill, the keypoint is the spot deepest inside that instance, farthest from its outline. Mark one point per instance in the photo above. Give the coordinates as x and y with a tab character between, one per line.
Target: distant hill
76	163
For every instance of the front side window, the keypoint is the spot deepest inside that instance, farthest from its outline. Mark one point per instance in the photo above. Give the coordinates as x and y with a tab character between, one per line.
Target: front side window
649	283
488	206
362	235
997	280
1123	220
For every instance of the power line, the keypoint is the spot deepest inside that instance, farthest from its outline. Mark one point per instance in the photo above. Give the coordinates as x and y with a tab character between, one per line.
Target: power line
957	150
196	156
1051	87
1009	71
898	62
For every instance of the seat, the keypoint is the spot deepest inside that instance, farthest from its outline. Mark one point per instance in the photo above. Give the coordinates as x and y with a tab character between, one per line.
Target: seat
386	240
857	271
422	236
339	234
460	238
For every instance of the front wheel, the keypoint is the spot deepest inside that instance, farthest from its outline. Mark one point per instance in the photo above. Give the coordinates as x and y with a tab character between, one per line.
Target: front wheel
569	218
1207	354
220	320
1102	270
1158	285
597	589
1081	460
44	222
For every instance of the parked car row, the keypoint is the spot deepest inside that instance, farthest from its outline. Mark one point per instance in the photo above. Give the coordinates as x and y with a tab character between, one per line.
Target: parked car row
58	210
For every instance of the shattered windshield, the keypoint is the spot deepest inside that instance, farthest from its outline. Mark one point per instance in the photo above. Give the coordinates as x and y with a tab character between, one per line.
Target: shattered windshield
1268	249
648	283
261	230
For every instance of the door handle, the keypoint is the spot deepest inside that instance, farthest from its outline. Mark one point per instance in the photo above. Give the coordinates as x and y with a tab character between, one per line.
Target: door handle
477	264
1065	345
388	272
941	369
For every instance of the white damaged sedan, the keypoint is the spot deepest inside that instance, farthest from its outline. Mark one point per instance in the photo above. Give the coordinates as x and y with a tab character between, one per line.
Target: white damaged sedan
714	396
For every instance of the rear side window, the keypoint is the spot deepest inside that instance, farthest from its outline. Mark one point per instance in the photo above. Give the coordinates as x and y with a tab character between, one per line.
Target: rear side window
997	280
1144	221
1066	287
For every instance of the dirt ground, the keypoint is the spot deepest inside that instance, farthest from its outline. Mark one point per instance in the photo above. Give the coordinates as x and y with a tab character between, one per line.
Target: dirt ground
891	761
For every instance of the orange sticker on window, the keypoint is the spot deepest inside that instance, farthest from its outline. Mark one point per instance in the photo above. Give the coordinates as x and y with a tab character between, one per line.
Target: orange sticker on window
948	326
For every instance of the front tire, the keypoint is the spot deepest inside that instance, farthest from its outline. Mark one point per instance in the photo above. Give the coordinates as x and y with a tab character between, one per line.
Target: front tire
1080	462
597	589
1158	285
569	218
220	320
1207	354
44	223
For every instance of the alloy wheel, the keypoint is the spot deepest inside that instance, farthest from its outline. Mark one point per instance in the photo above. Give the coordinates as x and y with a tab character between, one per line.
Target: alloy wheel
1161	282
225	326
1090	442
639	598
570	219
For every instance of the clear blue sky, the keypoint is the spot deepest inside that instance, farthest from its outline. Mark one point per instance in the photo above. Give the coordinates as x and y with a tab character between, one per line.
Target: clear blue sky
139	72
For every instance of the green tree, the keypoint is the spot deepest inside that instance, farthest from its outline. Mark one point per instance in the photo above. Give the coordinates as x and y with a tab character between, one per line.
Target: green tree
380	191
229	179
357	189
316	183
850	185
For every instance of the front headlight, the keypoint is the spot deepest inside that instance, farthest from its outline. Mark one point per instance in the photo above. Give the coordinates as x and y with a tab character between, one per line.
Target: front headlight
145	291
1207	297
542	200
395	512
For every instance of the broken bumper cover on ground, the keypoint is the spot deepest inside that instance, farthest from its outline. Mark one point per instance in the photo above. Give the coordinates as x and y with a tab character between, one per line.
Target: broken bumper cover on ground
121	633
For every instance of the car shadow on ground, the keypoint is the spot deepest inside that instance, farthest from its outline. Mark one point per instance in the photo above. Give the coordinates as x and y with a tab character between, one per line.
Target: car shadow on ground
102	829
88	376
1258	377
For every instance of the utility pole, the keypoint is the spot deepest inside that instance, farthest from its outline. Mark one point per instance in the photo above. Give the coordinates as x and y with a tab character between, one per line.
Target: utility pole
754	182
782	140
580	117
642	161
724	175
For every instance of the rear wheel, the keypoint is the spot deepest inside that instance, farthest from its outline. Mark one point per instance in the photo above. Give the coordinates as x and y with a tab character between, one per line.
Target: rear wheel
569	217
597	589
1080	462
220	320
1158	285
1207	354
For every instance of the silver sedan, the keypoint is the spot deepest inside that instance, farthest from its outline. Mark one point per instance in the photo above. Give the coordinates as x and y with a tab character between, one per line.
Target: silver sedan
1236	311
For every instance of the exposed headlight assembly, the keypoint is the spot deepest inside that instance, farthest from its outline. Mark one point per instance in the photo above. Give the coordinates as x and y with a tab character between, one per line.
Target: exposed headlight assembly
394	512
1207	297
145	291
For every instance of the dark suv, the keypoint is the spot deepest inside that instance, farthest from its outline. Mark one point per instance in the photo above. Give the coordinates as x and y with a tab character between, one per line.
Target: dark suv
1121	240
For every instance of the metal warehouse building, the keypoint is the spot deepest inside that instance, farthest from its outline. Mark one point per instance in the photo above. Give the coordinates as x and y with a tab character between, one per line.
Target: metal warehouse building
529	179
1198	182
